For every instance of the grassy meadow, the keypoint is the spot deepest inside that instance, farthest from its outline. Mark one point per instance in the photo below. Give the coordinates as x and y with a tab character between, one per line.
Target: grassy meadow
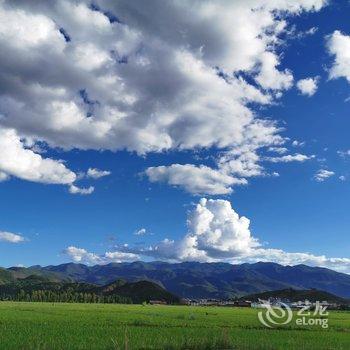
112	326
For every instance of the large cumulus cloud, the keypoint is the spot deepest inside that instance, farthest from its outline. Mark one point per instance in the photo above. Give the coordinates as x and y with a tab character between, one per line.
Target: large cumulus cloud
146	76
216	232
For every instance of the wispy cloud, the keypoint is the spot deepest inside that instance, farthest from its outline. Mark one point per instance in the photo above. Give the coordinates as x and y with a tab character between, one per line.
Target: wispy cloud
323	174
81	190
11	237
96	173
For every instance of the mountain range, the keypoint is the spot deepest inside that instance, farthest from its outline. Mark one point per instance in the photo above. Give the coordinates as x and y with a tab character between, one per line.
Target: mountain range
194	279
39	288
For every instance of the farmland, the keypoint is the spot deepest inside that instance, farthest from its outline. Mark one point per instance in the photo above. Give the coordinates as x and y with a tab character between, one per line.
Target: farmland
101	326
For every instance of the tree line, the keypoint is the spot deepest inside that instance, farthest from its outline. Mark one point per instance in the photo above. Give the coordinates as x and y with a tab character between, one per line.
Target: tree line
64	297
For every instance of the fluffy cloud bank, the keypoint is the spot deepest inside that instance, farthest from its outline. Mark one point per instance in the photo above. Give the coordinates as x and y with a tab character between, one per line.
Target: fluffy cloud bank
11	237
114	75
215	233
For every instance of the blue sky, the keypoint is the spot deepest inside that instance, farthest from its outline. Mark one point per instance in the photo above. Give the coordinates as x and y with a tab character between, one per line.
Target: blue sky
159	123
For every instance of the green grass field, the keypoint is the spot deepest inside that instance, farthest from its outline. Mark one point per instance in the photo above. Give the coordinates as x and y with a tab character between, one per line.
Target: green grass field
105	326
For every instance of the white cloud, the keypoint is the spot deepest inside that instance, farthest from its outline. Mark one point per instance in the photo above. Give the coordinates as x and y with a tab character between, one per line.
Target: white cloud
96	173
217	233
196	180
233	169
339	46
140	232
271	78
297	143
243	162
344	153
279	150
80	190
302	34
308	86
27	30
323	174
16	160
342	178
298	157
11	237
80	255
119	257
74	78
281	257
311	31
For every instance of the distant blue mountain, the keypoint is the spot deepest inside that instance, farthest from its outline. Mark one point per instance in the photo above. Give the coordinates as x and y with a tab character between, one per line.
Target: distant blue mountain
200	280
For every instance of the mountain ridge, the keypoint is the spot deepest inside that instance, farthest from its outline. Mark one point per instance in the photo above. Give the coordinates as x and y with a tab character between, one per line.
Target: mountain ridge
200	280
